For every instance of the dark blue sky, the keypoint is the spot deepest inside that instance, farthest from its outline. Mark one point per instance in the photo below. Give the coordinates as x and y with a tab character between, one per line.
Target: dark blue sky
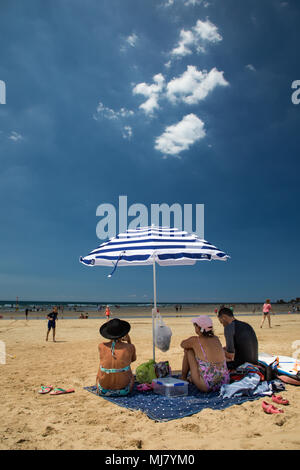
73	136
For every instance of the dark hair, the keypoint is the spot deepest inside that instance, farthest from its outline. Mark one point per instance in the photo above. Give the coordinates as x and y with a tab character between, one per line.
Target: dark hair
208	334
225	311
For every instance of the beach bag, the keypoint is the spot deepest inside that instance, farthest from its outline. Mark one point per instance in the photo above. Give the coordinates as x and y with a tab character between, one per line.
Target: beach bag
162	369
162	334
145	372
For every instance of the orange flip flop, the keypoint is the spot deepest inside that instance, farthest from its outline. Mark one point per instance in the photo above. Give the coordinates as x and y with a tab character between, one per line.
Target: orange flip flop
270	409
61	391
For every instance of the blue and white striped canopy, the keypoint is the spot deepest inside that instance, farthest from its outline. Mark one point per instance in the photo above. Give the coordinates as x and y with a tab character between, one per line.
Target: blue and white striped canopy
144	245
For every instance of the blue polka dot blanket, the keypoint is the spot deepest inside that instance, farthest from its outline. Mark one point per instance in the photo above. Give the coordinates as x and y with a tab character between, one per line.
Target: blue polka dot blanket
161	408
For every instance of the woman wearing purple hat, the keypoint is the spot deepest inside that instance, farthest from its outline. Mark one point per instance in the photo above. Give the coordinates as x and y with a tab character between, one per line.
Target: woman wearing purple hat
204	357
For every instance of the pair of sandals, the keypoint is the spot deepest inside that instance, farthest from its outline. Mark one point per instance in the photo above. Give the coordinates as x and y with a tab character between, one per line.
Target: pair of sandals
54	391
271	409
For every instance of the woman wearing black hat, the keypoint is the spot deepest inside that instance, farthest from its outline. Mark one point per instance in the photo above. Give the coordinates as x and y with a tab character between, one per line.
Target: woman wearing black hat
114	376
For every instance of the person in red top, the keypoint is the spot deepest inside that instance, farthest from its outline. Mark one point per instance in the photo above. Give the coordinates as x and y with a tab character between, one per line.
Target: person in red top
107	312
267	308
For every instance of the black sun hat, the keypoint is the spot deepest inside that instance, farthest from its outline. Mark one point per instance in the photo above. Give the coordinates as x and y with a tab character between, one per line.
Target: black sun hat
115	329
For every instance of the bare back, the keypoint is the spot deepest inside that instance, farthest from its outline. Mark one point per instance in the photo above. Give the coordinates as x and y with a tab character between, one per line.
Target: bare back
124	355
211	345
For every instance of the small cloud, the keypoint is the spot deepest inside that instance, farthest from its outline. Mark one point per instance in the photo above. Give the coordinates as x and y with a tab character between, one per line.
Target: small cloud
187	3
284	4
15	136
168	3
108	113
132	40
179	137
152	92
194	85
202	33
250	67
127	132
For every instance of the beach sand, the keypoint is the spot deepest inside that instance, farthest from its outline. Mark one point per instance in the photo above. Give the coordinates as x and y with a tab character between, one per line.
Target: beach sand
84	421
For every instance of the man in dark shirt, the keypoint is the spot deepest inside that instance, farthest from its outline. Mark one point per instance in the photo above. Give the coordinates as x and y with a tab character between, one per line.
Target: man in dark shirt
241	341
52	317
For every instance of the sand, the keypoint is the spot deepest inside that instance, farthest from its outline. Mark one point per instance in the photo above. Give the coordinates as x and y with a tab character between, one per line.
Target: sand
84	421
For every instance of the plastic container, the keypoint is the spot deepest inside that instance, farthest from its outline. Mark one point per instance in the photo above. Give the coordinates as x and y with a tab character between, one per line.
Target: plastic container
170	387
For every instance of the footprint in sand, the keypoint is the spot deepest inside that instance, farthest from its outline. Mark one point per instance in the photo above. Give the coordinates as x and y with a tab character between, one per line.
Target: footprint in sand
49	430
190	427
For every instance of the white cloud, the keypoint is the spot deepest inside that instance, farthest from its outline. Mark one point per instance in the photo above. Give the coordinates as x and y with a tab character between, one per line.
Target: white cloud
194	85
250	67
179	137
151	92
187	3
15	136
127	132
108	113
202	33
192	2
132	40
190	88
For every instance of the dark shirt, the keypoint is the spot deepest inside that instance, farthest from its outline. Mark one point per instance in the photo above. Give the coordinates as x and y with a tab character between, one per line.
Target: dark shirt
52	316
242	341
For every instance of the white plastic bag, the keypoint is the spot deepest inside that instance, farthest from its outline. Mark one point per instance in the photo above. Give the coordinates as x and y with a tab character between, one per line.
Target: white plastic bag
162	334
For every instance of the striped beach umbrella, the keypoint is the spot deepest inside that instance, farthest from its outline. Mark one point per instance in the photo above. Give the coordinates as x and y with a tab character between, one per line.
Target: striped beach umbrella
150	245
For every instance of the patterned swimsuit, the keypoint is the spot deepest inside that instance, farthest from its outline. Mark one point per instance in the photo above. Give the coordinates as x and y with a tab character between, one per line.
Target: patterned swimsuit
213	374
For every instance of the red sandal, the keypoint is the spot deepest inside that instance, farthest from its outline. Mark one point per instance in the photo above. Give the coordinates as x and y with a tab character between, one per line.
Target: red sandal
278	399
270	409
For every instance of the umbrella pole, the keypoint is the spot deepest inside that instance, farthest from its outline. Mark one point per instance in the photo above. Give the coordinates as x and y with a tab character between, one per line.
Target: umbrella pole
154	309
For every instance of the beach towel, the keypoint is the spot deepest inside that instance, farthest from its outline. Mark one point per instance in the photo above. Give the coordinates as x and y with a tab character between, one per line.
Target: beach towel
161	409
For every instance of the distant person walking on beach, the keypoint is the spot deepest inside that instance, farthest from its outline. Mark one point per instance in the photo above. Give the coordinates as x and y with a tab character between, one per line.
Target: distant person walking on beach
26	313
52	317
267	308
107	312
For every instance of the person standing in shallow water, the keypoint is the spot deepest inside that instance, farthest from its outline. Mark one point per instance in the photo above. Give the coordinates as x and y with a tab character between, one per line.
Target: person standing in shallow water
52	318
267	308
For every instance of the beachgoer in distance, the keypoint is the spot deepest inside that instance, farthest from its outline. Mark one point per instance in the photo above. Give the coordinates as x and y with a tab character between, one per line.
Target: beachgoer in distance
107	312
52	318
267	308
26	313
114	376
241	341
204	357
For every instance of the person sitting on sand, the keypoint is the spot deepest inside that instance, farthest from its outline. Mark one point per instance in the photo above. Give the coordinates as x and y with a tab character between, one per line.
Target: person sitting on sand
204	357
114	376
267	308
241	341
52	317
